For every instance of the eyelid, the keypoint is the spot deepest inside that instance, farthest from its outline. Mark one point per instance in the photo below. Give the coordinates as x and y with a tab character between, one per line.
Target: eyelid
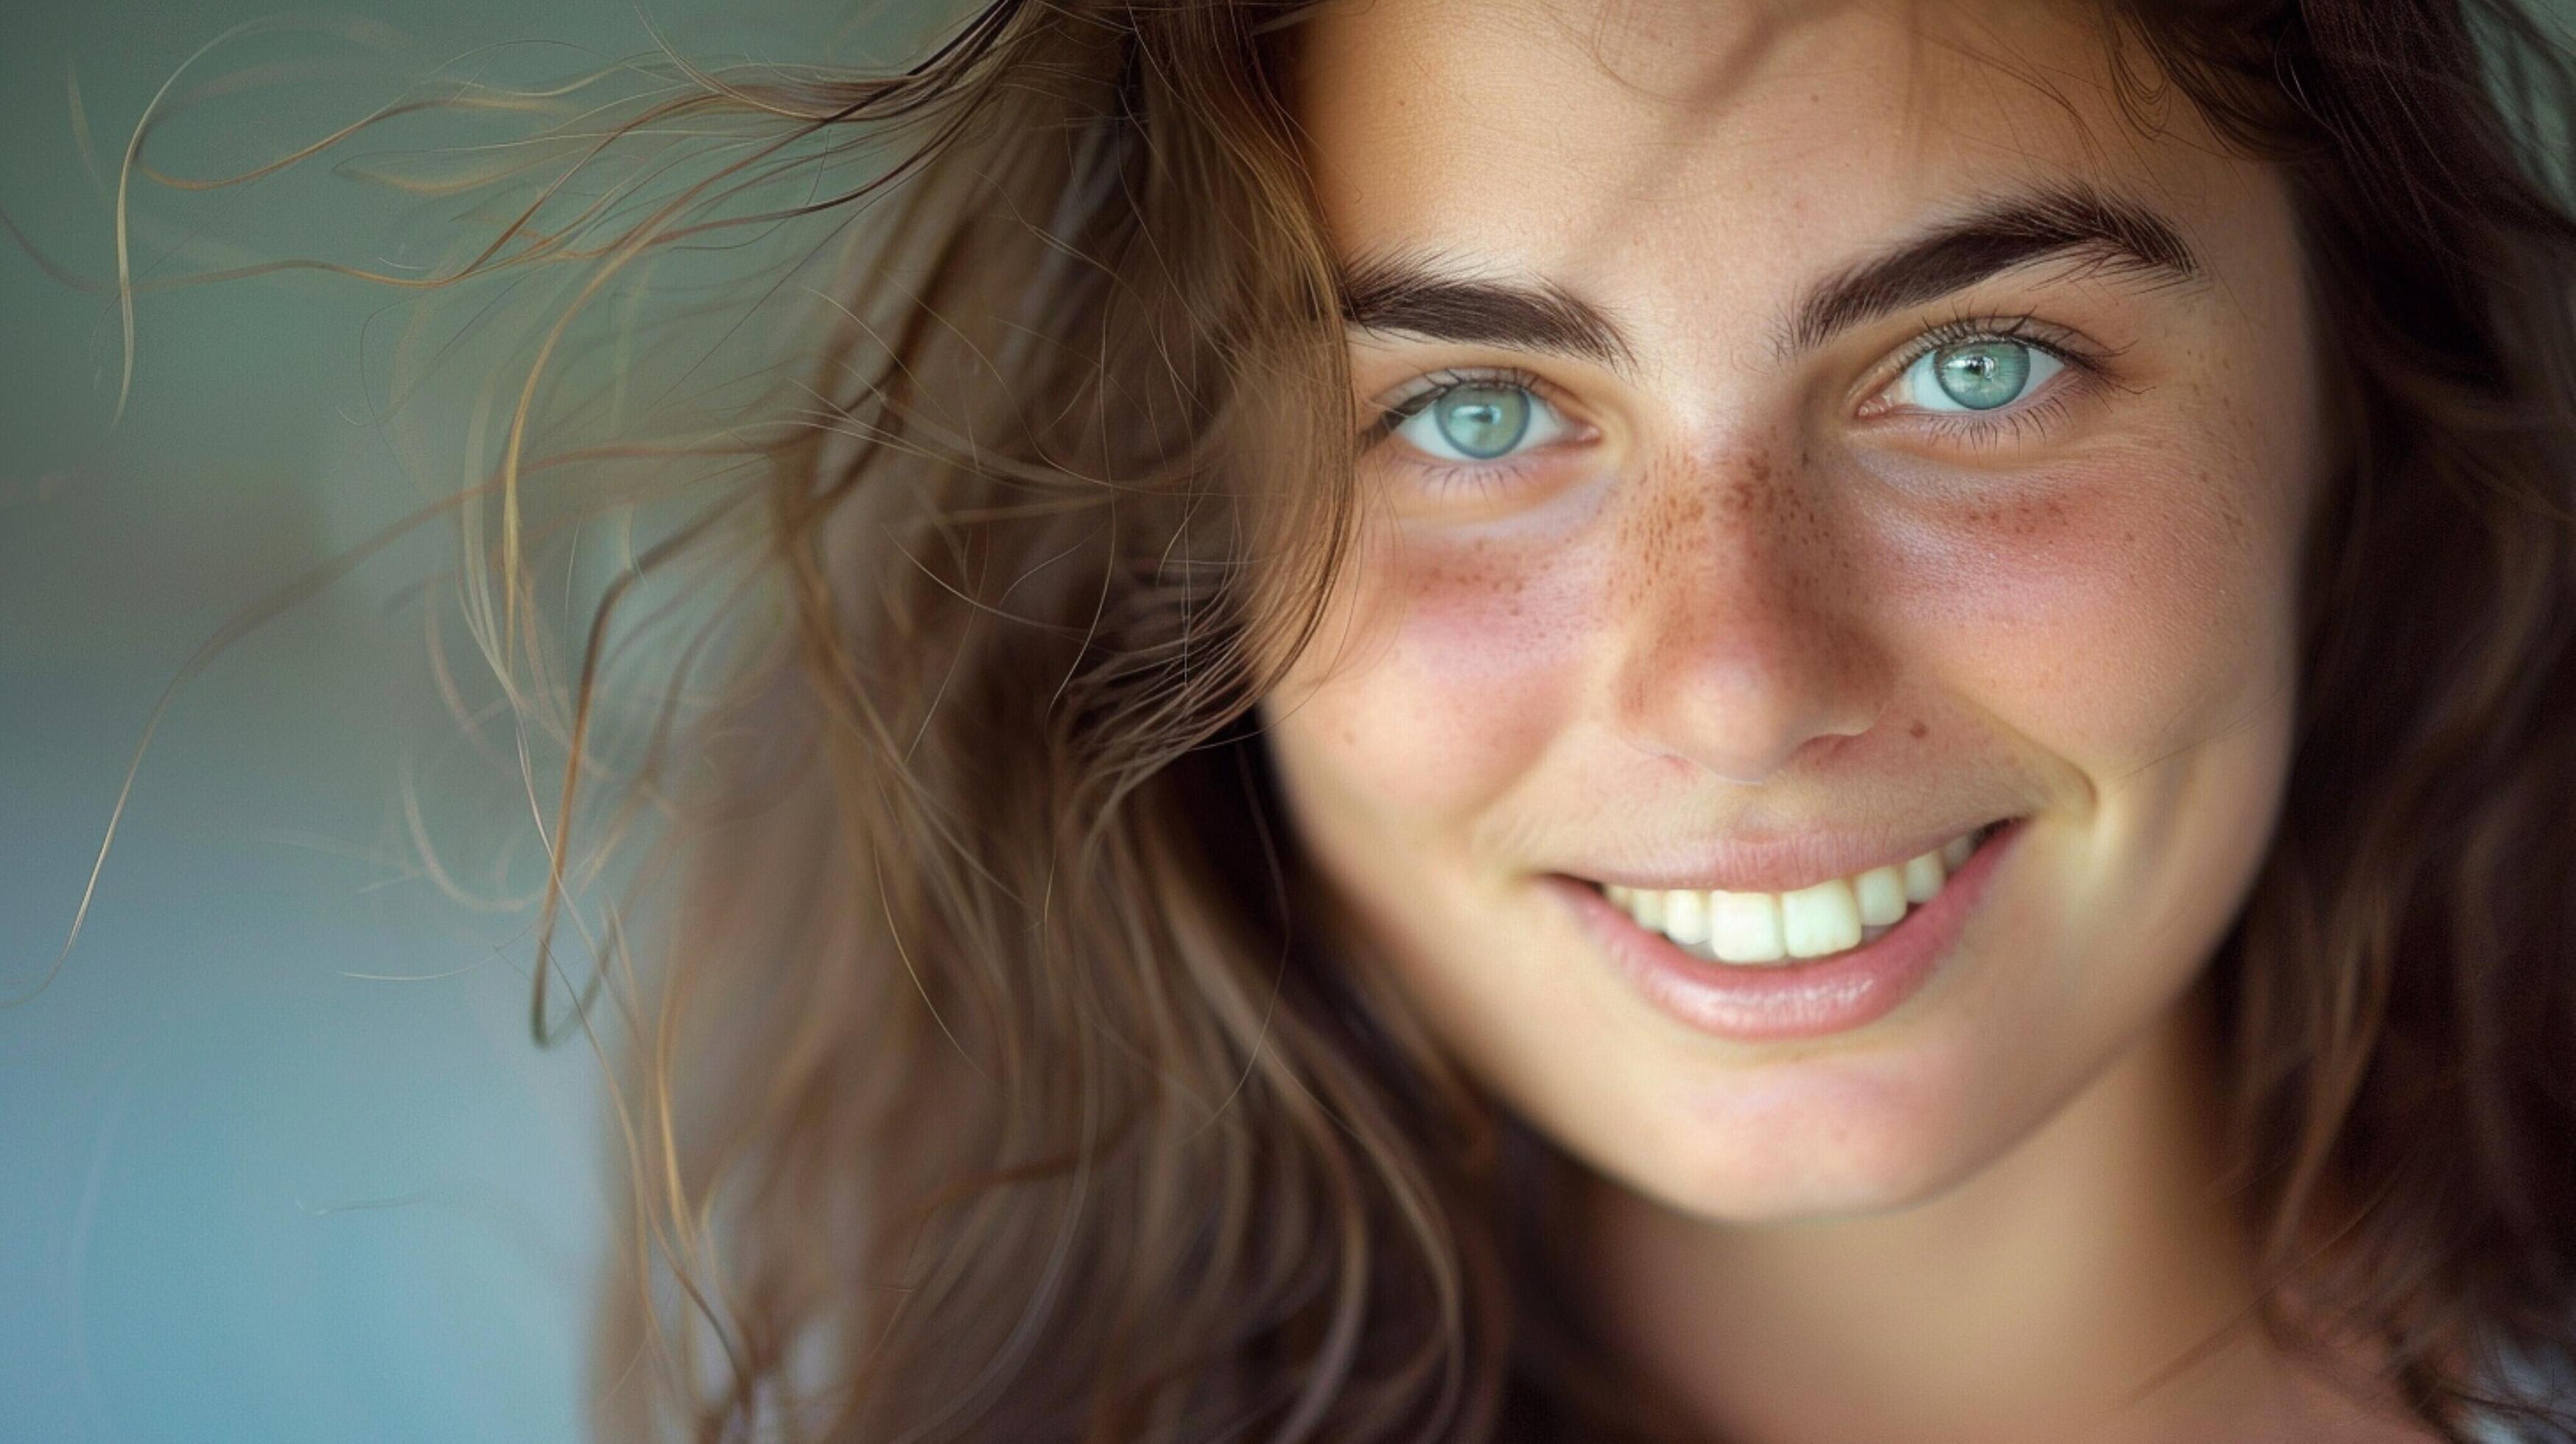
2086	366
1414	394
1407	400
2058	342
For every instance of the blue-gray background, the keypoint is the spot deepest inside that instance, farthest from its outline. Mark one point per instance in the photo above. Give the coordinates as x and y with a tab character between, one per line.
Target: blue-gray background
278	1160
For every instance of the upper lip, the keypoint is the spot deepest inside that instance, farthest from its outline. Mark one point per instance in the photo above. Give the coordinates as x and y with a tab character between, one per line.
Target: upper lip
1782	861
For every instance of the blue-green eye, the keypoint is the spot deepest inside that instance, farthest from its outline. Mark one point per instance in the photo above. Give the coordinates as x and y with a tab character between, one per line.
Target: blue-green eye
1975	375
1479	421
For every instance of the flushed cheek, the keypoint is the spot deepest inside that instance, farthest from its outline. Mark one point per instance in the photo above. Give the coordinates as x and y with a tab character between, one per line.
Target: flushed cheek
2131	617
2109	611
1464	661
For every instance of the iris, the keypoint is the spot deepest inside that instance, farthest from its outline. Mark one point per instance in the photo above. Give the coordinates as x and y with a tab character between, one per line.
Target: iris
1982	375
1482	422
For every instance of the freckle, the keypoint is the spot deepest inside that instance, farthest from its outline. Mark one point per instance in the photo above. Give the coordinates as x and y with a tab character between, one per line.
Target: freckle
1917	730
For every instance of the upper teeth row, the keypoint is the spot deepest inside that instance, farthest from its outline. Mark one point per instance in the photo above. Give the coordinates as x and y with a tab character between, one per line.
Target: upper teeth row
1773	927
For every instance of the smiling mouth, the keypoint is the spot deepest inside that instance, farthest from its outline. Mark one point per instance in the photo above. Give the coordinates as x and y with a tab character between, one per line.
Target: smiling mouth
1776	929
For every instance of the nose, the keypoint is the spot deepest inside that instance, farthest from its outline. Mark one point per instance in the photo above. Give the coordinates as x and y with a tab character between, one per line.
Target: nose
1745	641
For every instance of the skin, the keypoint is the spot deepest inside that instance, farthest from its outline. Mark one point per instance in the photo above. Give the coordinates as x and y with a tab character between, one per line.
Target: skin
1742	591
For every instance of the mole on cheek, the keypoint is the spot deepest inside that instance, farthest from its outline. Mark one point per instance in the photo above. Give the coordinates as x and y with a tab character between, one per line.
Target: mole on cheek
1917	730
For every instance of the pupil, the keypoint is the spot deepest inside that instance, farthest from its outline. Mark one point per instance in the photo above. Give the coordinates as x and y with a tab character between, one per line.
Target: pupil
1983	374
1483	421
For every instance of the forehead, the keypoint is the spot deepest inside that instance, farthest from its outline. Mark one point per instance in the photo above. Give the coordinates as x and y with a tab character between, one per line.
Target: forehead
1716	147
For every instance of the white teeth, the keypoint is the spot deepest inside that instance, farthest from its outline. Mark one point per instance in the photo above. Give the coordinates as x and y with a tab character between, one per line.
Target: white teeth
1744	927
1686	916
1821	919
1881	892
1811	922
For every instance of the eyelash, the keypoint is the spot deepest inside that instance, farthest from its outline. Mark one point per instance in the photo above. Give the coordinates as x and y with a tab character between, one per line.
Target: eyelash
1990	429
1979	430
1429	388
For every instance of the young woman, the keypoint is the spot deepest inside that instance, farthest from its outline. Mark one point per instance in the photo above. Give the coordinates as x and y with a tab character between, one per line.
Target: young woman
1619	720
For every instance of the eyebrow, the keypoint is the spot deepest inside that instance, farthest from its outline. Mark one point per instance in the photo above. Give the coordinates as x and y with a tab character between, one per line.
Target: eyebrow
1434	298
2118	237
1427	296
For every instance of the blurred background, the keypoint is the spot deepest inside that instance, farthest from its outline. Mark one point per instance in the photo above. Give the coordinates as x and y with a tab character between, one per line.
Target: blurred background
279	1160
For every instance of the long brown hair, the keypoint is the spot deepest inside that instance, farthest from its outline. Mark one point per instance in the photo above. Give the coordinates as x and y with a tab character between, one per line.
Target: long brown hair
2400	993
997	1074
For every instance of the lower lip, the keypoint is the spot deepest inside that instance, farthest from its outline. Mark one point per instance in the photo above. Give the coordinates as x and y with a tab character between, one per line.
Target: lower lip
1799	1000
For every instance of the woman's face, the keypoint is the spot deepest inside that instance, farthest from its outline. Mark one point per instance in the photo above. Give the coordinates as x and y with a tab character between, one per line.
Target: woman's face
1815	432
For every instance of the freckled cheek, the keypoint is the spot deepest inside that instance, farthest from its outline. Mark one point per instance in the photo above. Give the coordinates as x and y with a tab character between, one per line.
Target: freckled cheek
2111	611
1467	657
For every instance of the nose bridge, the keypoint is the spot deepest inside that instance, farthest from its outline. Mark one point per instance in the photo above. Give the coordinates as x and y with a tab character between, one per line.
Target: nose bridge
1743	635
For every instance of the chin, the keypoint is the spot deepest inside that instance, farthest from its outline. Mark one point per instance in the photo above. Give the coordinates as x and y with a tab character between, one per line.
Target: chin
1826	1137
